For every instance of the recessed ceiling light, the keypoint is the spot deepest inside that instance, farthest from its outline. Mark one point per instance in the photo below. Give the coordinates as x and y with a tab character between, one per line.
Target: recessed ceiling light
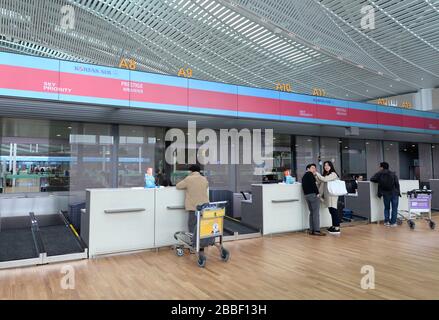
58	135
70	128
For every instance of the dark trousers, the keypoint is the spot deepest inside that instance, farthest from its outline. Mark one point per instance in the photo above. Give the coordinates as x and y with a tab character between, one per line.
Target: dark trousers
390	199
335	217
314	212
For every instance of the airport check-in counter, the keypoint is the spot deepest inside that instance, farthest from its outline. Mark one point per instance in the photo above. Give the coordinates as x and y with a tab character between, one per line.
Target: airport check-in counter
170	215
434	186
278	208
122	220
118	220
367	204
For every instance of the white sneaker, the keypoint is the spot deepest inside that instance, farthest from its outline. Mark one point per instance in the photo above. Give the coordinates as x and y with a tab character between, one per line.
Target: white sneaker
387	224
394	225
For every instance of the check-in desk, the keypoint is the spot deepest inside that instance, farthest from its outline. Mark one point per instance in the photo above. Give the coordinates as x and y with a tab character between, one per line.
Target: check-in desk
118	220
277	208
434	186
170	215
367	204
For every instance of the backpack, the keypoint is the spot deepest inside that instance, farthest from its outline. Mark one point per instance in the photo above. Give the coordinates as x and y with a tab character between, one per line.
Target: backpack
387	181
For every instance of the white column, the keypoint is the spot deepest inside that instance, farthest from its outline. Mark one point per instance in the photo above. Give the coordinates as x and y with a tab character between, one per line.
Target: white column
14	163
10	155
424	99
140	159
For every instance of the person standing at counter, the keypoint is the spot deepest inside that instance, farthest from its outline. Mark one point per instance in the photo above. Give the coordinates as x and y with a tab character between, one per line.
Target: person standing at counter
196	187
329	174
149	179
309	186
388	188
161	179
288	179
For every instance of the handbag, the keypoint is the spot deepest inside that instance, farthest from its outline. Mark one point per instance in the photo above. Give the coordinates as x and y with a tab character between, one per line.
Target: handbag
337	188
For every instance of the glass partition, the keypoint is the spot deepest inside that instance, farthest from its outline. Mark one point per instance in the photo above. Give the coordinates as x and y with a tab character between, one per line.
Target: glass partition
330	151
391	155
35	156
140	148
425	162
307	151
409	166
353	158
374	156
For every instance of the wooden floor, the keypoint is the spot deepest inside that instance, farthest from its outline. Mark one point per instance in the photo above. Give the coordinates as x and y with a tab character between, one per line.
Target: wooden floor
293	266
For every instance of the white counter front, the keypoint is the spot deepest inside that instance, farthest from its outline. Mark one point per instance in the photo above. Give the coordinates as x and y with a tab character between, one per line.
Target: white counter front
368	205
118	220
278	208
170	215
282	208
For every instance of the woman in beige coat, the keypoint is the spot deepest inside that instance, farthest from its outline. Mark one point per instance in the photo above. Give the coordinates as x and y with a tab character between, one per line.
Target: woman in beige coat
329	174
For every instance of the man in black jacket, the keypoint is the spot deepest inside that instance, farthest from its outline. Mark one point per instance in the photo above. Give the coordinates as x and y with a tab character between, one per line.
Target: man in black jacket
311	192
388	188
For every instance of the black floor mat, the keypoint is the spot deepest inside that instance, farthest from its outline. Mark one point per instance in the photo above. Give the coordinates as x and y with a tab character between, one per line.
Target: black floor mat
17	244
234	226
58	240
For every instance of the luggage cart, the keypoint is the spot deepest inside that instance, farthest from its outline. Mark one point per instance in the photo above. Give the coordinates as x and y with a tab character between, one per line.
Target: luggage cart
210	224
419	203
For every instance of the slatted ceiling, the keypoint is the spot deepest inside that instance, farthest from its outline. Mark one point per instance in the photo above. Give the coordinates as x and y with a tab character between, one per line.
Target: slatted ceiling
237	44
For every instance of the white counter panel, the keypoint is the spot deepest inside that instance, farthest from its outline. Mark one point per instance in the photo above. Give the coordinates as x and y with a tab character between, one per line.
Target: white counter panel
376	204
170	215
120	220
282	208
